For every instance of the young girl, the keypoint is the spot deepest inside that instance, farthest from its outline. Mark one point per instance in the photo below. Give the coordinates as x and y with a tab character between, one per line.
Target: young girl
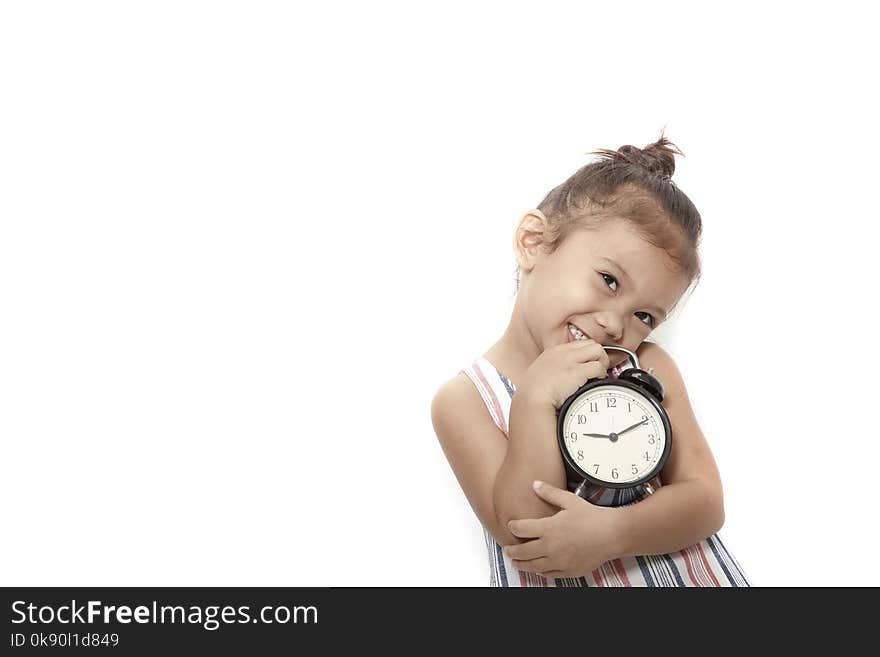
604	259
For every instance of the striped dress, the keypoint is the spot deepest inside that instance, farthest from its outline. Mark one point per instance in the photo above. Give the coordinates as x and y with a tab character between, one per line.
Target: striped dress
707	563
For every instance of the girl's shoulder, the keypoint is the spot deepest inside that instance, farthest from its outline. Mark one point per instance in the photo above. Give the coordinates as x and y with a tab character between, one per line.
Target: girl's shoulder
458	401
649	350
652	355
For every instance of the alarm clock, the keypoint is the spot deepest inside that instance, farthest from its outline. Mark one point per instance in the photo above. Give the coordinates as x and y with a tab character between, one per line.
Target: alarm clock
615	433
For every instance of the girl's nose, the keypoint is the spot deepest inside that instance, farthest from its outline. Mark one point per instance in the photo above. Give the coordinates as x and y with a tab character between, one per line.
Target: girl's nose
613	328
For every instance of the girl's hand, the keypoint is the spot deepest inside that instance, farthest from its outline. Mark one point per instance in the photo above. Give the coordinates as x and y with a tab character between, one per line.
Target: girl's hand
572	543
561	369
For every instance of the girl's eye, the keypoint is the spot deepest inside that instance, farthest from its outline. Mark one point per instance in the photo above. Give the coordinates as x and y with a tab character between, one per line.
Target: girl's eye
604	275
649	316
614	280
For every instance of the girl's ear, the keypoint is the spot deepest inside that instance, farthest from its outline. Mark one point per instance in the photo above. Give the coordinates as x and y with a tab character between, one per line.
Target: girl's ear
528	237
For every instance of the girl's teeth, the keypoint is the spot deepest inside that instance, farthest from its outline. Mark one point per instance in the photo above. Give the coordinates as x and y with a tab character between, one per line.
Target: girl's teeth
575	331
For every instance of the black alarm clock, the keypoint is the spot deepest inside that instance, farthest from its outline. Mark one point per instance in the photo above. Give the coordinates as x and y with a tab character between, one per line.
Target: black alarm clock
615	433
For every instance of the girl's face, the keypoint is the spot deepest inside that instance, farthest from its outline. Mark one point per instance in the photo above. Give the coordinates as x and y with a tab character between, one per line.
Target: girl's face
608	282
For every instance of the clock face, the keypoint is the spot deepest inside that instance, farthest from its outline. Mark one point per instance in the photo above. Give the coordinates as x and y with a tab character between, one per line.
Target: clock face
614	435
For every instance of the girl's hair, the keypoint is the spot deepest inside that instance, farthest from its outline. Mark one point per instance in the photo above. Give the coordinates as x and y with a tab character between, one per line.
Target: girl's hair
634	184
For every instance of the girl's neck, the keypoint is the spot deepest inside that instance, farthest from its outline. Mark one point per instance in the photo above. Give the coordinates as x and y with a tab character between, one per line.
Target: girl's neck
510	357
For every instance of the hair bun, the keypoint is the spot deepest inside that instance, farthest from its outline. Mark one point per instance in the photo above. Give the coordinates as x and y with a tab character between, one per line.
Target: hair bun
657	158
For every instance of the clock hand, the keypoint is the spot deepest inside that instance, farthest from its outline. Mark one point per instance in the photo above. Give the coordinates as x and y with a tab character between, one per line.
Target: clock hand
632	427
596	435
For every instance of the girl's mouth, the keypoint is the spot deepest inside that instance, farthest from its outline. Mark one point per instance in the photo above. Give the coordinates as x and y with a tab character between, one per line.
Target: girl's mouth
574	333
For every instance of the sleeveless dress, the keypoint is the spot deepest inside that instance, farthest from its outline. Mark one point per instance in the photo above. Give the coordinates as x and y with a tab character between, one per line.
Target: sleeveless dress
707	563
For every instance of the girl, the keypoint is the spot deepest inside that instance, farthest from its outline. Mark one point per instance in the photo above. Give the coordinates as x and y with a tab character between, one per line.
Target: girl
604	258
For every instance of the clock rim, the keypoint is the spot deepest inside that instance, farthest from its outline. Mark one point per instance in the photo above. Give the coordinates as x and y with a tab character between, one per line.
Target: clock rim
560	436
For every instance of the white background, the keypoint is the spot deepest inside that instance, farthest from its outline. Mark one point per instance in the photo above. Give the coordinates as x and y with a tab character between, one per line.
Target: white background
243	243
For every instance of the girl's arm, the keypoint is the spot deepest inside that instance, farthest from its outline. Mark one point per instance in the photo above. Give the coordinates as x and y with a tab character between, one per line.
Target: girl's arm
474	446
532	453
494	469
689	506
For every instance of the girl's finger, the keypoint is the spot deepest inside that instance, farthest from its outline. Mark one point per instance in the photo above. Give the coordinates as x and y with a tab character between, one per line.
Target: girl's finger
593	350
528	550
527	528
556	496
592	370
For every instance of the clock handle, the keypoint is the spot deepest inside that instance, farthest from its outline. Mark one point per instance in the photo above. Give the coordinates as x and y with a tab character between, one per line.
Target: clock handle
632	356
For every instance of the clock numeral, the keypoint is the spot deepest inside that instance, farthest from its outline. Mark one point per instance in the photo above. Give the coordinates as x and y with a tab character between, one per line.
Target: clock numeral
635	469
647	456
644	417
580	455
650	438
574	436
596	465
612	402
614	472
629	408
594	407
582	419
